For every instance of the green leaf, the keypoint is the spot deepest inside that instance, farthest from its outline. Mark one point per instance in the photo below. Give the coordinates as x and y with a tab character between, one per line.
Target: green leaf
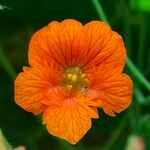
143	5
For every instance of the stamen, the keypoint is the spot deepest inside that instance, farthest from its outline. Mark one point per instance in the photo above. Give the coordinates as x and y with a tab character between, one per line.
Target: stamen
74	79
69	87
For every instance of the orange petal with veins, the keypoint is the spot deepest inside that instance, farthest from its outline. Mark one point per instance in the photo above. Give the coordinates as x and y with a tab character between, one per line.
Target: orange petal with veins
70	121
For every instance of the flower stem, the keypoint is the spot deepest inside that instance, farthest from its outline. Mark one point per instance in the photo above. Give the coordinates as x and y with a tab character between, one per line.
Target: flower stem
140	97
6	65
3	142
130	65
100	11
2	7
137	74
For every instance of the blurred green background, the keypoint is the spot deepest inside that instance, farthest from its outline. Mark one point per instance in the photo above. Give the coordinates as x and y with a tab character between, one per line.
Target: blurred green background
19	19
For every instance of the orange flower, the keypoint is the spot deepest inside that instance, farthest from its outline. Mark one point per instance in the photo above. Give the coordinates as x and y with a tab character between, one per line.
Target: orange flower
74	70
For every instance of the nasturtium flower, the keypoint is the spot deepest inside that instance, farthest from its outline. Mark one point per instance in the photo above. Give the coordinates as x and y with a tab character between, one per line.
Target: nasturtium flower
74	70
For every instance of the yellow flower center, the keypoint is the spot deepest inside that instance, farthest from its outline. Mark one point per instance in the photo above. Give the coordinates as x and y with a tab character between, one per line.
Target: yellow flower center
74	79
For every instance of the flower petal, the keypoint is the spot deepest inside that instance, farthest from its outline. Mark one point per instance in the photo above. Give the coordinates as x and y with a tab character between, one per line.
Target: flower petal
32	85
70	121
105	45
111	89
62	42
70	44
118	94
